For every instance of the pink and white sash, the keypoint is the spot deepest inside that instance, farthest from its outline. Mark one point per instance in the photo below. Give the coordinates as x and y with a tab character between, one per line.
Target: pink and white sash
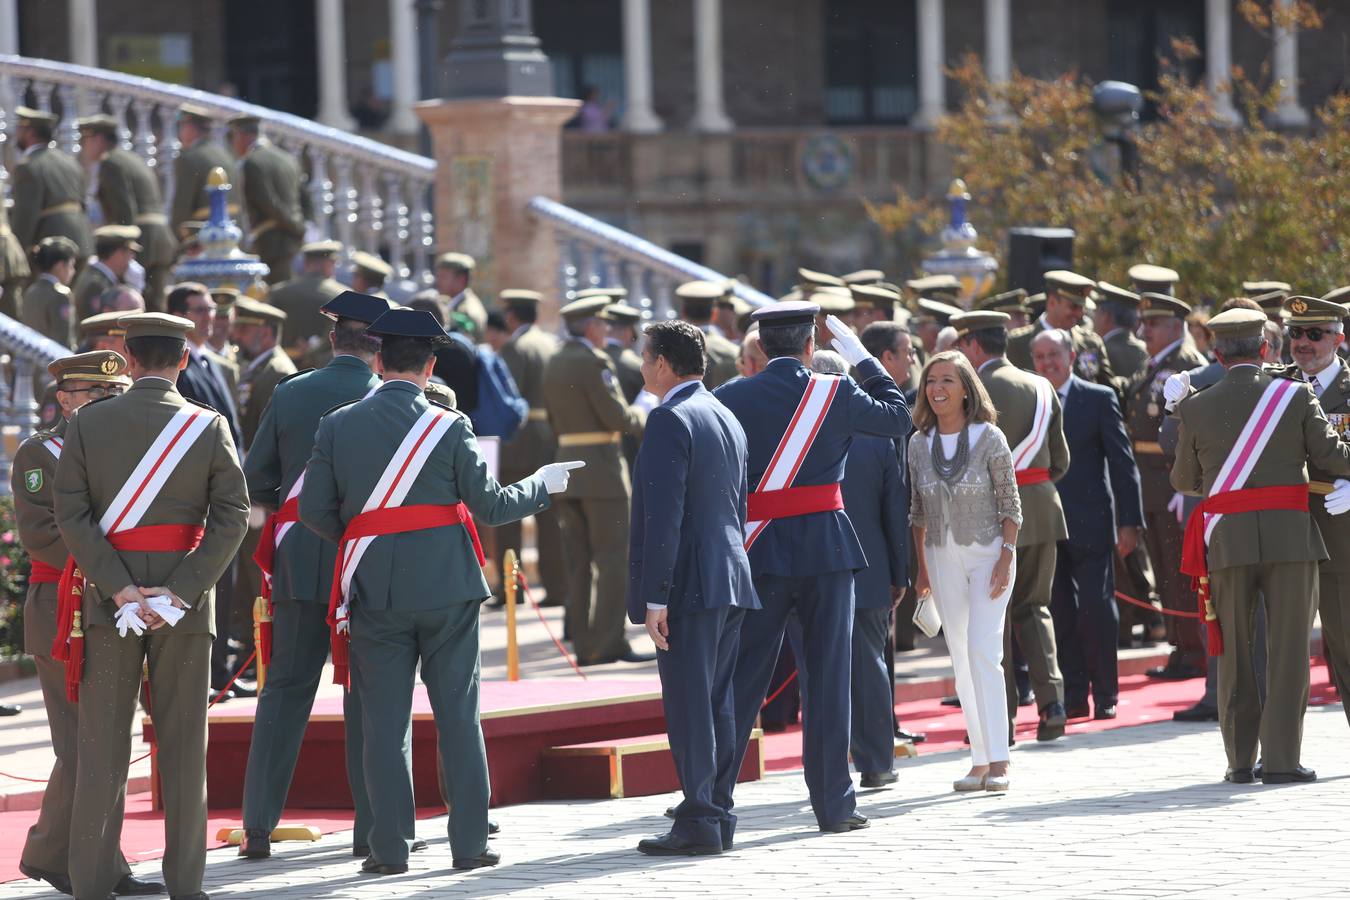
1029	446
1251	442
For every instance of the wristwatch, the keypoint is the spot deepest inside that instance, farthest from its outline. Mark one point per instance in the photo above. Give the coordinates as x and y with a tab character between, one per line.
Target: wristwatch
1011	548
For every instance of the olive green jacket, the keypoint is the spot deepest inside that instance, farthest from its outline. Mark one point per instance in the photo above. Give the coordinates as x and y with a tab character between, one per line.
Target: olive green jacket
721	355
1013	393
42	181
1211	421
526	355
191	200
582	395
47	309
256	384
1127	353
1144	411
30	481
1335	403
271	186
104	442
467	304
129	194
92	281
307	328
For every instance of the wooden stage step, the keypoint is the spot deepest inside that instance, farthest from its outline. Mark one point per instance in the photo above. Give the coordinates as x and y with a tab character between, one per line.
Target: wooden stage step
626	767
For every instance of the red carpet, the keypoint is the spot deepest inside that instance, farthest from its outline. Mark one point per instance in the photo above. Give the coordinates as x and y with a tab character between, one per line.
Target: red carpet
1142	700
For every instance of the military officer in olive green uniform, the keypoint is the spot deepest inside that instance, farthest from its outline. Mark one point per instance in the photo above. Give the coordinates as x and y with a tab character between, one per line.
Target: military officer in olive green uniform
1065	295
369	273
401	614
1315	331
79	379
623	324
128	192
1269	549
14	269
1170	351
200	154
1115	320
115	247
1013	303
47	306
587	411
982	337
526	354
463	310
196	484
258	333
696	300
271	188
303	299
302	573
1270	296
873	304
46	186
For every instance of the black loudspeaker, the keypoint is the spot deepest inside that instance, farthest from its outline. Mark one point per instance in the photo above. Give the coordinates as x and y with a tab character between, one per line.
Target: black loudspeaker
1034	251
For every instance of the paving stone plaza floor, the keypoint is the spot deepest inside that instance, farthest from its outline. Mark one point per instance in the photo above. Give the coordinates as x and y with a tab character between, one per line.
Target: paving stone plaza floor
1135	812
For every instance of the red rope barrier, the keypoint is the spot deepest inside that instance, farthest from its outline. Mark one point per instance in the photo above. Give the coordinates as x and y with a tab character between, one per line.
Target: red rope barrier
782	687
525	586
1179	613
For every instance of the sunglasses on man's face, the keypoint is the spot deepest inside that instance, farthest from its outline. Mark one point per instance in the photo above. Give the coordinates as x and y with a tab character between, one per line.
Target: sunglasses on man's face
98	392
1312	334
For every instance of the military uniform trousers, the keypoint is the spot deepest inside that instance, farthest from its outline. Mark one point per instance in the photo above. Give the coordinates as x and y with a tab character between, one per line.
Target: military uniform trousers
385	650
1333	601
179	667
299	651
824	605
1163	536
872	697
1087	623
1030	624
700	719
595	539
1290	591
48	843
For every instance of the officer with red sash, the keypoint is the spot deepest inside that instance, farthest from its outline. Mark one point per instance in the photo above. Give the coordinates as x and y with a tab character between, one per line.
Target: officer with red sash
803	550
152	505
79	379
392	481
1243	446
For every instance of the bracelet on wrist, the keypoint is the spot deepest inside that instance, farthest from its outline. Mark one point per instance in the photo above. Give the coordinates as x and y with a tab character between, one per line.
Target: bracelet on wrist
1011	548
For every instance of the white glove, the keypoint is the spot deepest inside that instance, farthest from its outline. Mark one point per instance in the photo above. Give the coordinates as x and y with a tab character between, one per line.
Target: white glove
1338	501
1177	386
129	619
163	606
555	475
845	342
1177	505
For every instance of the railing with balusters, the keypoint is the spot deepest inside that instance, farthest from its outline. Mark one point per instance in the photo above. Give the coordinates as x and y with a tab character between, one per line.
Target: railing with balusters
368	195
25	352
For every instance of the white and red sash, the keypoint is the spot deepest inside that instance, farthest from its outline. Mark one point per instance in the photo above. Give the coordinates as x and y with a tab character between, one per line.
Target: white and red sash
795	444
1029	446
55	444
153	471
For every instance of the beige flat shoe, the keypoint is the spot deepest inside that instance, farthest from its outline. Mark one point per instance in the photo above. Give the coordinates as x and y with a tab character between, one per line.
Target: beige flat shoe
996	783
971	783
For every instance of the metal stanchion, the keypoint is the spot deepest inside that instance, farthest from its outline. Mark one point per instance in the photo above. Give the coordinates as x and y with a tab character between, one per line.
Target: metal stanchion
261	618
510	583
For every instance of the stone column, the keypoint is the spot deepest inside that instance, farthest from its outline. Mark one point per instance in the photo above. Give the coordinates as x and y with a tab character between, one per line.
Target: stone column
9	26
1288	112
1219	59
932	56
332	47
83	32
638	114
493	155
998	47
403	61
710	115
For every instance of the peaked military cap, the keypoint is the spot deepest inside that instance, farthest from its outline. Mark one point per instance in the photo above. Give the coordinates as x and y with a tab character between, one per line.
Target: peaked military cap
864	276
585	308
96	365
462	261
102	123
1062	281
785	313
1237	323
1109	291
947	284
322	248
1265	287
108	323
1339	295
1036	304
873	295
1151	278
818	279
402	322
1271	301
704	290
246	120
358	306
609	293
225	295
520	297
114	237
1313	310
978	320
189	232
154	324
1016	299
372	264
29	116
199	115
1153	305
937	310
252	312
623	313
832	299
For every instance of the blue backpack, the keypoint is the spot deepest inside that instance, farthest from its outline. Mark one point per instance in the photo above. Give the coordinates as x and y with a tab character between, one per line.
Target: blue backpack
500	408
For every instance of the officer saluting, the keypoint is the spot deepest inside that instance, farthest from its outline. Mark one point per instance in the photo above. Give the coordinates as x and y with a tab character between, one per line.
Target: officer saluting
803	551
393	480
301	570
152	505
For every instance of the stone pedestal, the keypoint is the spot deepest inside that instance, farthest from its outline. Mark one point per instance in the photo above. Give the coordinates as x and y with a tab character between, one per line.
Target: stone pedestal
492	157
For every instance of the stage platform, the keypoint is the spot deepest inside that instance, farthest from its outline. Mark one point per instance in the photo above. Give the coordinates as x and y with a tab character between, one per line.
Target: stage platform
521	720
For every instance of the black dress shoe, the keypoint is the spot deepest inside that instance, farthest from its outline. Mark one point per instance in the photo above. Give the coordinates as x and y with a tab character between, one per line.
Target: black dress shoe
360	851
1104	711
914	737
200	895
1025	699
58	880
1259	769
1051	725
1300	775
239	689
879	779
1077	710
1200	712
1239	776
216	696
257	844
852	823
493	827
632	656
418	845
131	886
488	857
373	866
773	727
1175	672
673	845
7	709
951	701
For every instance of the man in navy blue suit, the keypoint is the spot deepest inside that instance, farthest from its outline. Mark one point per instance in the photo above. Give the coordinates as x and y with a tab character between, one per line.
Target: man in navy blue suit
802	547
1104	513
689	577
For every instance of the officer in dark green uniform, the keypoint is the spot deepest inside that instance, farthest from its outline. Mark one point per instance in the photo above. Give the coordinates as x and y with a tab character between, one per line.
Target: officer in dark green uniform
303	299
199	154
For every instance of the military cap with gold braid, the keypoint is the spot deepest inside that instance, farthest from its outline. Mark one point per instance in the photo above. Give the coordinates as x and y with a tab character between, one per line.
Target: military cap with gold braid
935	285
832	299
1156	306
1339	295
623	314
872	295
1153	279
1237	323
26	115
1251	288
1313	311
1008	301
198	115
1071	284
225	295
586	308
1271	301
243	120
609	293
980	320
940	312
818	279
518	297
103	366
154	324
108	323
248	311
1108	291
462	261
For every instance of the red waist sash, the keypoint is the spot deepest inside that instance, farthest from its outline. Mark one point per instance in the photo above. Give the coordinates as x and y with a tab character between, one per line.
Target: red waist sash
1194	560
265	554
793	501
69	642
1032	476
42	573
388	520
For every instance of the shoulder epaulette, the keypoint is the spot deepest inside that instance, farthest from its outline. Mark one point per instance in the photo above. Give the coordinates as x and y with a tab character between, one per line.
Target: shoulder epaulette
1290	372
197	403
1024	330
110	397
294	374
342	404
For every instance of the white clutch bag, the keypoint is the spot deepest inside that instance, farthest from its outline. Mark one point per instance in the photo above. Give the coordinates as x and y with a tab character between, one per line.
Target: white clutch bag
926	617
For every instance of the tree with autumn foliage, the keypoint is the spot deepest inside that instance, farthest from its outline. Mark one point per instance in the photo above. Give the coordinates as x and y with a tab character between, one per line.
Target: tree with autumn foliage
1219	204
